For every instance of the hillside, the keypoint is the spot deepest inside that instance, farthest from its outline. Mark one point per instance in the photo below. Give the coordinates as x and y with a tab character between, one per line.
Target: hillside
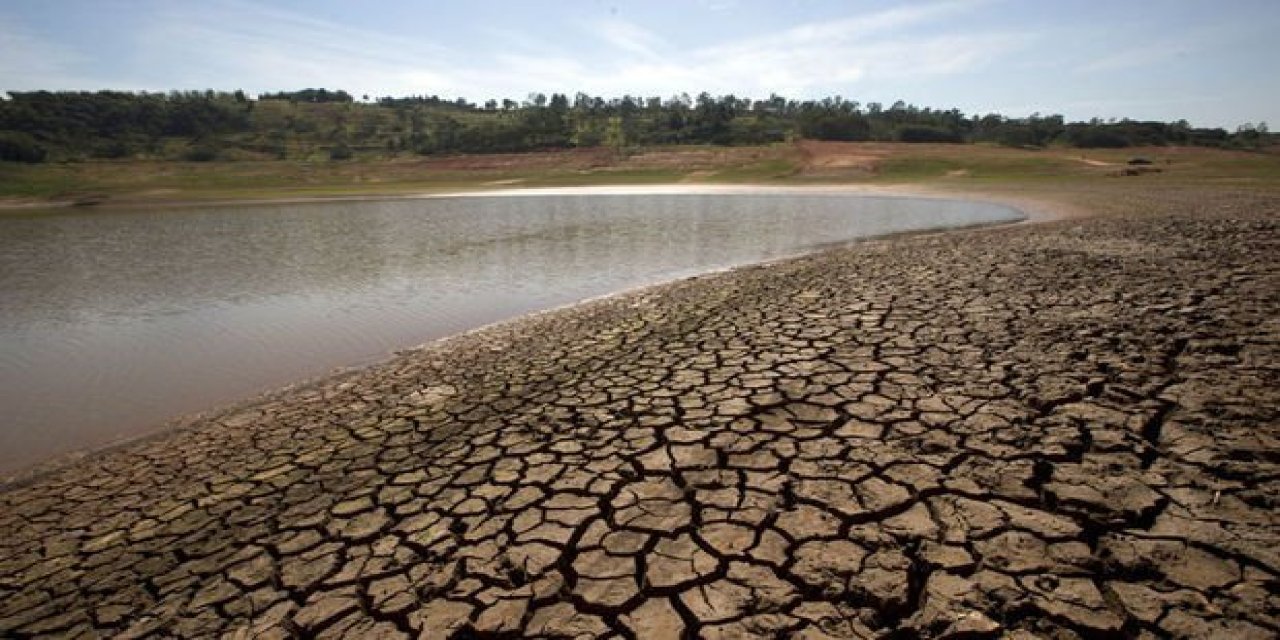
316	124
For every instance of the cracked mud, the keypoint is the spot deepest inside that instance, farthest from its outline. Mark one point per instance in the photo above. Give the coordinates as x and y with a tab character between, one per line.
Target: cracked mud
1067	430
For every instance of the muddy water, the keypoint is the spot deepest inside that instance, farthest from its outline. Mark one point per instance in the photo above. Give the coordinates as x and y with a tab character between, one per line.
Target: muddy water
113	322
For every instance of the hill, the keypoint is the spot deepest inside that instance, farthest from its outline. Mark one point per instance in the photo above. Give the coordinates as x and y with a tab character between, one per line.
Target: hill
317	124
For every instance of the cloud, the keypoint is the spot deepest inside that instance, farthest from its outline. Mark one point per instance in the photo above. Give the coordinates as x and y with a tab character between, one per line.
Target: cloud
629	38
34	62
1169	50
804	59
881	24
1135	57
233	44
719	6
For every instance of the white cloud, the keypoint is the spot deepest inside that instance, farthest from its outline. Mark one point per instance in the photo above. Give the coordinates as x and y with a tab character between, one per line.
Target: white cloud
630	38
233	45
33	62
230	44
719	6
876	25
800	60
1165	50
1135	57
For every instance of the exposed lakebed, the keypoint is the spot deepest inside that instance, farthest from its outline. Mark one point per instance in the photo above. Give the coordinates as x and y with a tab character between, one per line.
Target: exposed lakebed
112	322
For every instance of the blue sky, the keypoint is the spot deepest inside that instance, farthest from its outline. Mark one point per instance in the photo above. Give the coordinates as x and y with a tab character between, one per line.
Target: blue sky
1211	62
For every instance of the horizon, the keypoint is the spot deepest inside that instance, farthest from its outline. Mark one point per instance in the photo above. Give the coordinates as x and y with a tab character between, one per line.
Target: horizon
1176	60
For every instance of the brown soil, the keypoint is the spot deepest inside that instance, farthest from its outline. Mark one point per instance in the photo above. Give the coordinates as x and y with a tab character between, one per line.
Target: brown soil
831	160
569	159
681	159
1064	430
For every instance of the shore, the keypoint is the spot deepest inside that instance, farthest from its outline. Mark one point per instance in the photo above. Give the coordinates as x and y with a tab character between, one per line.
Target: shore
1056	429
1037	209
128	431
153	183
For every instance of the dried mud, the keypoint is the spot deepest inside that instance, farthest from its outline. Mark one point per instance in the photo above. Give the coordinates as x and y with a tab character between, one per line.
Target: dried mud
1061	430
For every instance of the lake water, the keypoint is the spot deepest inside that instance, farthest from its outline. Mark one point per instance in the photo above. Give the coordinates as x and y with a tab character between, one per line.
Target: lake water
114	322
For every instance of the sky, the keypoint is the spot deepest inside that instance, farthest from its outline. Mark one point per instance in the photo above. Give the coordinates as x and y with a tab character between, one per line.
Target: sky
1212	63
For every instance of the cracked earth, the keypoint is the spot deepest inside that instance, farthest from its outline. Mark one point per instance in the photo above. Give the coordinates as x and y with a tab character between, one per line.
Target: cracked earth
1063	430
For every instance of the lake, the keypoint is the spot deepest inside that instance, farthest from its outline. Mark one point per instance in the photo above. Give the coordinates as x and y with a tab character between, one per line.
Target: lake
113	322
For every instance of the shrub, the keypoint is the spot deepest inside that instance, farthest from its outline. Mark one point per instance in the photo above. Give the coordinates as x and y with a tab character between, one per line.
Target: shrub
340	151
1098	139
835	127
927	134
111	150
201	153
16	146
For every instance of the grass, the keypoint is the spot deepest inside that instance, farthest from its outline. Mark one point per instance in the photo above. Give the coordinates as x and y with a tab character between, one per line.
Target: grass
981	164
771	170
960	166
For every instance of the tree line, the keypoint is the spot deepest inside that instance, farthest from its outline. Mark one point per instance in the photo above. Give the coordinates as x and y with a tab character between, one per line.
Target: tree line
41	126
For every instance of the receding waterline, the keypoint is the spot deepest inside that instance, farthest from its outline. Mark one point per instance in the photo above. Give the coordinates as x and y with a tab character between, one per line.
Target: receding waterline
113	322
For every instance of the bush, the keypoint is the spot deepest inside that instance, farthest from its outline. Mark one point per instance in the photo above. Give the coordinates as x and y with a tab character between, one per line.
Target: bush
835	127
201	153
112	150
16	146
1098	139
927	134
340	151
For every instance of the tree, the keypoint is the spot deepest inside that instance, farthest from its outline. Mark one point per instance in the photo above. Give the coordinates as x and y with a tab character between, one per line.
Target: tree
16	146
615	137
921	133
207	125
201	152
340	151
710	119
832	120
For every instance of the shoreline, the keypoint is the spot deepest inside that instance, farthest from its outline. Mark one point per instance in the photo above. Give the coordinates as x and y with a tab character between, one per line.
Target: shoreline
1032	429
477	190
1034	212
1055	210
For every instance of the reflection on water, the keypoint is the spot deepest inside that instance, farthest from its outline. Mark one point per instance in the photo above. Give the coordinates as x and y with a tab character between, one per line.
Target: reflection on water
113	322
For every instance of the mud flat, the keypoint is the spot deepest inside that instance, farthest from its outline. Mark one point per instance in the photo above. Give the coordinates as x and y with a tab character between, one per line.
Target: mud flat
1058	430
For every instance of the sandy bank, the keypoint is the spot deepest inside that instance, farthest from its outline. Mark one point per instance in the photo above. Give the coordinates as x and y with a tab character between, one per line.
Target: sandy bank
1038	208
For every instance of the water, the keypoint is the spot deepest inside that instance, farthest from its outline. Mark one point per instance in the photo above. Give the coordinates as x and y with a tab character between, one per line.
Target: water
111	322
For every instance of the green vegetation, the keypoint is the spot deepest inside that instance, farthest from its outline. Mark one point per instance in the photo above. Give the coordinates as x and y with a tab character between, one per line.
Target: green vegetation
17	146
981	166
319	124
92	147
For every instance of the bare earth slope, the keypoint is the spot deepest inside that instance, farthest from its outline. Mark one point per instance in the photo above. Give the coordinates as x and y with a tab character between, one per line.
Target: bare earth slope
1062	430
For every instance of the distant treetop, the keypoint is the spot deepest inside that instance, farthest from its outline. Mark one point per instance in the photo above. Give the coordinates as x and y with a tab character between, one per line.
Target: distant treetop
37	126
309	95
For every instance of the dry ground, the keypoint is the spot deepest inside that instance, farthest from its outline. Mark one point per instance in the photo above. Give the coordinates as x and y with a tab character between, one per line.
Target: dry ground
129	183
1066	430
